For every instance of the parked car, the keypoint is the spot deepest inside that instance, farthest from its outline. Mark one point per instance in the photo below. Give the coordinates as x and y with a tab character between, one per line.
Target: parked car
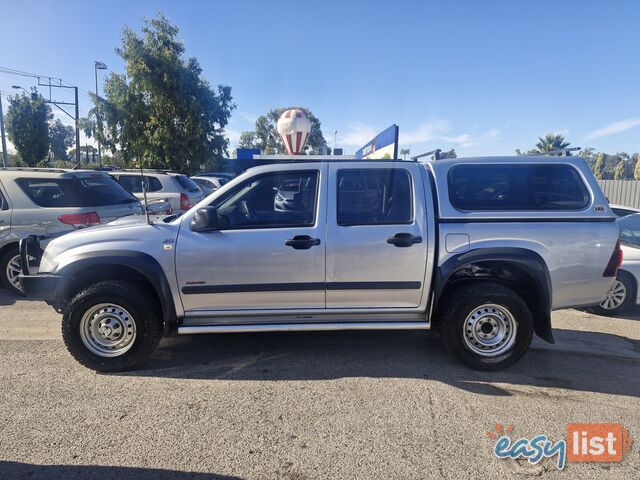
210	184
49	201
159	208
481	249
623	293
623	210
228	176
179	190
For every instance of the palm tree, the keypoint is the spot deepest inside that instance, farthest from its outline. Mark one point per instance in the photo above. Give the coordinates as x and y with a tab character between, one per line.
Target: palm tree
551	141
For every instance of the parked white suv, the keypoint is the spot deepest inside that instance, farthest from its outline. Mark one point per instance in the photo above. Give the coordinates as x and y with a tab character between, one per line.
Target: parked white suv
36	201
179	190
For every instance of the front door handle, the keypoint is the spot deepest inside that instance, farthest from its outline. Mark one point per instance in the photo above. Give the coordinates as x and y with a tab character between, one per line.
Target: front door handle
404	239
302	242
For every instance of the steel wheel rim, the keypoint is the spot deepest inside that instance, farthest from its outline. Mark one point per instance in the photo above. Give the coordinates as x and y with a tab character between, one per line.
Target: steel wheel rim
489	330
615	296
14	269
108	330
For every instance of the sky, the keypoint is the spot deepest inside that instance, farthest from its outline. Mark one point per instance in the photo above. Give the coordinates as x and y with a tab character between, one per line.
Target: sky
484	77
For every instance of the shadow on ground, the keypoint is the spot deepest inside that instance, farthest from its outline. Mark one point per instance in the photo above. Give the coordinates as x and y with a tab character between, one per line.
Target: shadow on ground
7	298
18	471
391	354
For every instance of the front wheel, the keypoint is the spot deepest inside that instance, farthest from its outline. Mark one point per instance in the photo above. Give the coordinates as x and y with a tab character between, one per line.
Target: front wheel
486	326
110	326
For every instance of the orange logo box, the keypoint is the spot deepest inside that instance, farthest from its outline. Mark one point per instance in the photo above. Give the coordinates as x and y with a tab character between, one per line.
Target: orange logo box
597	442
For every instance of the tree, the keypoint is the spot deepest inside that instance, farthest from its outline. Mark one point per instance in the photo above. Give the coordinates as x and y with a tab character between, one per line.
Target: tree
599	168
61	137
161	113
266	137
636	161
28	127
548	143
624	167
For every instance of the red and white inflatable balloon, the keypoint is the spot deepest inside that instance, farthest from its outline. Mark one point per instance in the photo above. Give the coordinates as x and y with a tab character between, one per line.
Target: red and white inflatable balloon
294	128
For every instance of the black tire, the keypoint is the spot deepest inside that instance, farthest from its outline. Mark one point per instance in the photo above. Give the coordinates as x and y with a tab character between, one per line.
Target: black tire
4	262
143	313
630	290
461	307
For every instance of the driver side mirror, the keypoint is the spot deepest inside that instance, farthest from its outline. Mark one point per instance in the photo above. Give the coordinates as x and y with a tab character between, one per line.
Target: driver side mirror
205	220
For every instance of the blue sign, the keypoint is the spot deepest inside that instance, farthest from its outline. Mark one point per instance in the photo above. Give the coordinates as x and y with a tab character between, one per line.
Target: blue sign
382	146
247	153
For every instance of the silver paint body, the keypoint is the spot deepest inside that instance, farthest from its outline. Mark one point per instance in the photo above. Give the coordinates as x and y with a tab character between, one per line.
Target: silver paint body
575	253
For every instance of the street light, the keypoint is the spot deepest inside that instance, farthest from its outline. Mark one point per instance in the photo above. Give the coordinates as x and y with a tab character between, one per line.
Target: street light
98	66
18	87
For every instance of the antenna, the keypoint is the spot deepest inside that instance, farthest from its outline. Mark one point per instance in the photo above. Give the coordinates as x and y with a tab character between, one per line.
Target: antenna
144	194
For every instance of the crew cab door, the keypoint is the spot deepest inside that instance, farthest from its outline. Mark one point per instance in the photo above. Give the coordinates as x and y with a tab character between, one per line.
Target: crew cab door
376	235
268	253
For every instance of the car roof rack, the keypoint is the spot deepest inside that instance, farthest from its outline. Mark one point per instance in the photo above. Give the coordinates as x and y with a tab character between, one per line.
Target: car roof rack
434	154
561	152
270	159
35	169
150	170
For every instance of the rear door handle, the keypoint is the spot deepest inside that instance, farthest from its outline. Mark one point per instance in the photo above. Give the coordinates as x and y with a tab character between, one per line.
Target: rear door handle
302	242
404	239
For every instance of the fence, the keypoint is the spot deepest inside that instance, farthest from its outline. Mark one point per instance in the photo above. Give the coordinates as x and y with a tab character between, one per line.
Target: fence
622	192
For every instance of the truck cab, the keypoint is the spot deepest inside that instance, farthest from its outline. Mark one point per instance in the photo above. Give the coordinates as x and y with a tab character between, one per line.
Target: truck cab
480	249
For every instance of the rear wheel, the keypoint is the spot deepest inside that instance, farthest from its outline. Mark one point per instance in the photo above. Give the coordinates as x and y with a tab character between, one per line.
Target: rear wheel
111	326
620	297
486	326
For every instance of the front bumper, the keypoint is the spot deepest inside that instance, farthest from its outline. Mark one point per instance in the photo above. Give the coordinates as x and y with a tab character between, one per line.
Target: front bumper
42	285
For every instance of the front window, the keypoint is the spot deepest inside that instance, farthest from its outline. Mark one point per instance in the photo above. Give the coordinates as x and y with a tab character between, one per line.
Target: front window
270	201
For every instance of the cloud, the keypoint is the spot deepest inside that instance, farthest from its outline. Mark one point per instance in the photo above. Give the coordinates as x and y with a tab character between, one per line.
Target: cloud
357	135
613	128
232	135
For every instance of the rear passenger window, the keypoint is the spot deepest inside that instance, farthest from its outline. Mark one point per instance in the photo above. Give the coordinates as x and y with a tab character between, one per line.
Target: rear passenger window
133	183
4	205
517	187
374	197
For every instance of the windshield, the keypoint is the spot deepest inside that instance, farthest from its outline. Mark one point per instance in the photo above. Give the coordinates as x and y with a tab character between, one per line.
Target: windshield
630	229
188	184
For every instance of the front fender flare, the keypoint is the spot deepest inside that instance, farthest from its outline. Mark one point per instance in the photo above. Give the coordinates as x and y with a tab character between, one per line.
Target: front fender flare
143	263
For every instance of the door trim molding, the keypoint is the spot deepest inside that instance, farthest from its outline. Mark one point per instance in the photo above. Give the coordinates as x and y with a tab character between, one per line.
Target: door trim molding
298	287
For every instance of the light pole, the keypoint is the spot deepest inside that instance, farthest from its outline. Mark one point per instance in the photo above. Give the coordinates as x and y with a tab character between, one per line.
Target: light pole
5	155
98	66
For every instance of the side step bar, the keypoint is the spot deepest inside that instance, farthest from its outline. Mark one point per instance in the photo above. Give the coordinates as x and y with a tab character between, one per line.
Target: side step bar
304	327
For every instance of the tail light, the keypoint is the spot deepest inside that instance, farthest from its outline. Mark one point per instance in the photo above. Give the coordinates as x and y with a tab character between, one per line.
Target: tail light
185	203
80	220
614	262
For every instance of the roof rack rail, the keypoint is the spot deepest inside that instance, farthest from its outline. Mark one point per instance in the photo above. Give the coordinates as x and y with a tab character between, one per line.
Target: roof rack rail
152	170
434	154
35	169
563	152
559	152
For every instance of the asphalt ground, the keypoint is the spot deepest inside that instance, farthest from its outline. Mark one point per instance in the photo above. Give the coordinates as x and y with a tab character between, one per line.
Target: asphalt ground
307	405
